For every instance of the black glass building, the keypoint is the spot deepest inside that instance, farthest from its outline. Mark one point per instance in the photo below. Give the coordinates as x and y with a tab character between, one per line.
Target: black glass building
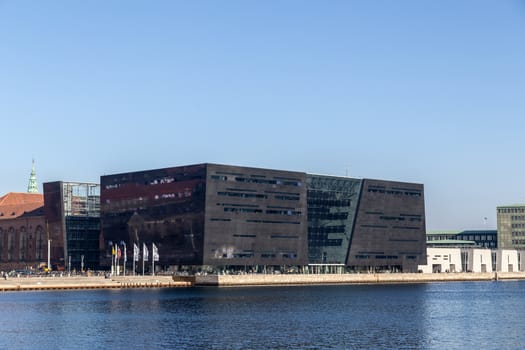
209	214
366	224
222	215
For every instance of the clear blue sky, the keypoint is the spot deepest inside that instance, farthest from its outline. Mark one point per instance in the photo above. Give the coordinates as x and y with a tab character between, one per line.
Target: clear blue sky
422	91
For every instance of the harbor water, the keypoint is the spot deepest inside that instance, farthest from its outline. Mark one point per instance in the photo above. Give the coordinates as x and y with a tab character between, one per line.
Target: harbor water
454	315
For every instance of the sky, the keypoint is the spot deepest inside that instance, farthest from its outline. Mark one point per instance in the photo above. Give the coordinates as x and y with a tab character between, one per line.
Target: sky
431	92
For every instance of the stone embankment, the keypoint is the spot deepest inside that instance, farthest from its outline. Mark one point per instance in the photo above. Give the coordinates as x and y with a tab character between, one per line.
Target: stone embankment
83	282
67	283
373	278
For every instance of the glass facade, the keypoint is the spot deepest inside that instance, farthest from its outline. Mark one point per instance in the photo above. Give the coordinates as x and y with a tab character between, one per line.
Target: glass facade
73	215
162	206
332	204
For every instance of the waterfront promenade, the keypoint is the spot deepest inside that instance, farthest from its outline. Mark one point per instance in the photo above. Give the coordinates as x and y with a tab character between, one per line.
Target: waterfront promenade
84	282
364	278
119	282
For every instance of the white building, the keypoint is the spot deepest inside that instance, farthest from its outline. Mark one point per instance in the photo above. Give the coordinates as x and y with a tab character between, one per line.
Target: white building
479	260
507	260
442	260
473	260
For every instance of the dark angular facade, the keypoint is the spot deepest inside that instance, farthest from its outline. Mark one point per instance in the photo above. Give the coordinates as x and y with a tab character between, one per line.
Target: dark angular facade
366	224
255	217
221	215
389	230
162	206
208	214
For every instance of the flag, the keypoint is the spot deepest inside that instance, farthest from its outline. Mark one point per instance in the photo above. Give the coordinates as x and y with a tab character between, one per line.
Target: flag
113	250
155	252
119	252
136	252
125	254
145	252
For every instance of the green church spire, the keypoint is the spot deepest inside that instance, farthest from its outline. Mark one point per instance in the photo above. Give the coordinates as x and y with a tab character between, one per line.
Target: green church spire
32	187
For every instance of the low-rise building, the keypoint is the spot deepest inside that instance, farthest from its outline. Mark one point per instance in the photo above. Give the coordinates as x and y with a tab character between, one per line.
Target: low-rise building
479	260
463	239
507	260
442	260
473	260
23	239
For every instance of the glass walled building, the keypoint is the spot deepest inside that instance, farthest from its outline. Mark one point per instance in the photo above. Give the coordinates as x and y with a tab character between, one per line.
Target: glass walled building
72	211
332	206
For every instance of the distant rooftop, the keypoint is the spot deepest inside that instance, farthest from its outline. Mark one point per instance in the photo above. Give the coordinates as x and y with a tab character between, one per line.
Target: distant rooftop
450	232
457	232
451	242
14	204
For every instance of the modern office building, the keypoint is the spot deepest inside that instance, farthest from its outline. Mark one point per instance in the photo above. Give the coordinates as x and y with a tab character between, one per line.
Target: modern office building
366	224
463	239
221	215
511	226
209	214
72	211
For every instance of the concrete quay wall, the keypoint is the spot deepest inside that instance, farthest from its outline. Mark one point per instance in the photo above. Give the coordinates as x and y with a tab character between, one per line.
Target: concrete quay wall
83	282
373	278
96	282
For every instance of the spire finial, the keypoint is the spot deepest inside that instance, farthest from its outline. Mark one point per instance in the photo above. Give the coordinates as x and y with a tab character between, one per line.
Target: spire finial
32	187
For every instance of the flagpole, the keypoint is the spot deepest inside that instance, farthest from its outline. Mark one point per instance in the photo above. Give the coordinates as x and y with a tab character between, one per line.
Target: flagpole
125	258
134	257
152	259
113	255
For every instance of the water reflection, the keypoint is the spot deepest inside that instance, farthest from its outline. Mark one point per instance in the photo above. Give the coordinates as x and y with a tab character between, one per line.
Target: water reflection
419	316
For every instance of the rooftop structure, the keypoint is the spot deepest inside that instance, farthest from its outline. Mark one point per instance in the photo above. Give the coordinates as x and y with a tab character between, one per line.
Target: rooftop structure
14	205
32	187
465	238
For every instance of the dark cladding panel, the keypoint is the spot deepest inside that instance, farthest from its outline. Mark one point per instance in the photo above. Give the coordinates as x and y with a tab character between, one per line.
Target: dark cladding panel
53	201
255	217
390	226
53	211
163	206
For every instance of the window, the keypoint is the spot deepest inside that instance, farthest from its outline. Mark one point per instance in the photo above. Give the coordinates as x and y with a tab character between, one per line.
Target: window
39	235
22	244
